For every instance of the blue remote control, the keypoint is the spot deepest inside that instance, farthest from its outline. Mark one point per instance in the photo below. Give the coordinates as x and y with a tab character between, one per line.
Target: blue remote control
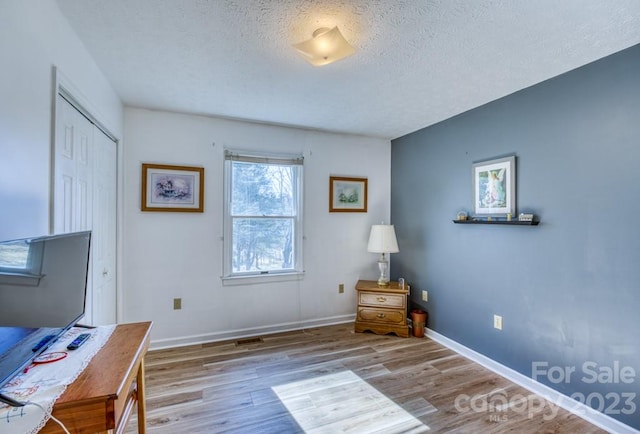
81	339
44	341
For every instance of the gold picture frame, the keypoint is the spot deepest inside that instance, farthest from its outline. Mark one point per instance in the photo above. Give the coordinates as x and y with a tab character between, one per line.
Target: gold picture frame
347	194
168	188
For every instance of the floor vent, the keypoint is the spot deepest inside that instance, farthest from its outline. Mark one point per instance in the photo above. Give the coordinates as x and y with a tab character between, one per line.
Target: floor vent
248	341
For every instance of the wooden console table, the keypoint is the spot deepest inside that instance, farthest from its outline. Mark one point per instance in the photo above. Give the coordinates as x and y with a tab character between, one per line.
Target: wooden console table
103	396
381	310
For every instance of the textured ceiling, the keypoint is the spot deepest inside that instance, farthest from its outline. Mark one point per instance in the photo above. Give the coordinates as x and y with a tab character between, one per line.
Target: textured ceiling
417	61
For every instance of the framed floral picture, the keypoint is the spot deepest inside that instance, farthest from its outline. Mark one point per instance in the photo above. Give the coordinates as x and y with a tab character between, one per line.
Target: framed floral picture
347	194
172	188
494	187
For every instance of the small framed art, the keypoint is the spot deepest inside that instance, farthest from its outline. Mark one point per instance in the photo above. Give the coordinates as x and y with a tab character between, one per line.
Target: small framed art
494	187
172	188
347	194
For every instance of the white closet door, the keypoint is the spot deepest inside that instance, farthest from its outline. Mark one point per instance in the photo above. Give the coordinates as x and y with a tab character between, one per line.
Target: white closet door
84	197
104	230
73	170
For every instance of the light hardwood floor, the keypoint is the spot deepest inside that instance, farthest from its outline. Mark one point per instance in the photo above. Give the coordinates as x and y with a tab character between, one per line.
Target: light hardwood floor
332	380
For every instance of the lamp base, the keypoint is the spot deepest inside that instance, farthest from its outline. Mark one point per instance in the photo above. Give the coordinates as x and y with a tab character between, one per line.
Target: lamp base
383	266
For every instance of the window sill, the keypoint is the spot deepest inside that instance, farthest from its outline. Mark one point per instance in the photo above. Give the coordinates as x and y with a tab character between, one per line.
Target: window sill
265	278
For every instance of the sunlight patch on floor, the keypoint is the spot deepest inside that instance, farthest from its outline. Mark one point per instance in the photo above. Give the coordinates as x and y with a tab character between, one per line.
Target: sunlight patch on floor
344	403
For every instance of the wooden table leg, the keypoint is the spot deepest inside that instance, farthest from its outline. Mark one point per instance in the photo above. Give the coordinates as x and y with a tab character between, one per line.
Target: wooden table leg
142	406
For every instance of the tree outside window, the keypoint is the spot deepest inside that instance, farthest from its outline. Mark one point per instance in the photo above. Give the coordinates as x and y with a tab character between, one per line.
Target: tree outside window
264	204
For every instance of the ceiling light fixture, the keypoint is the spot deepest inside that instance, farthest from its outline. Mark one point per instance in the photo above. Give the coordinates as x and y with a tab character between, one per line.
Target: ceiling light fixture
325	47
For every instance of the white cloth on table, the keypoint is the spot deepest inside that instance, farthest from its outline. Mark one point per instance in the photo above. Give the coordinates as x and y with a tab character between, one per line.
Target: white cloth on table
44	383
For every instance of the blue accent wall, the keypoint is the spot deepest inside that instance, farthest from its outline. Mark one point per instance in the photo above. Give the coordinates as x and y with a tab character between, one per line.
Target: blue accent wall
569	289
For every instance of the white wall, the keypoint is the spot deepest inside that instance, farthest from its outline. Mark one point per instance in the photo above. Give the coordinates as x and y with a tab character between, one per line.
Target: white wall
171	255
34	36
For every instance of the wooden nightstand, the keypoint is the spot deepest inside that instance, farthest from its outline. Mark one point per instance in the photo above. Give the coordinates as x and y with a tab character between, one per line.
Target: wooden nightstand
381	310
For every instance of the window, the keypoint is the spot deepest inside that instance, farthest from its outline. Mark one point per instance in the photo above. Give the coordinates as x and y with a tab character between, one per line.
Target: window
263	215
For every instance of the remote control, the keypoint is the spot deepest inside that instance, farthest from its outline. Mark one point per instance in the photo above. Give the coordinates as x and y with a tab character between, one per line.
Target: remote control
81	339
42	342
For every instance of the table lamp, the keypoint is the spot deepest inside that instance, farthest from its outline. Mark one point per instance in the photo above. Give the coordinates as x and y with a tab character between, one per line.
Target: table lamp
382	239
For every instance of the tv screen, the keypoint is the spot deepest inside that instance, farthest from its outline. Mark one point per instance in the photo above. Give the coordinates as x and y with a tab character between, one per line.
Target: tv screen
43	283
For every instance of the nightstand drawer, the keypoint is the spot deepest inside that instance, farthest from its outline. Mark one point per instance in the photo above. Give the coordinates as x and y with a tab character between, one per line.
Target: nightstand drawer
385	316
381	300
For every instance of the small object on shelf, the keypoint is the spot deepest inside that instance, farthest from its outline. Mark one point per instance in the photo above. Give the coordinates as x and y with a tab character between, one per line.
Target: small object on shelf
525	217
462	216
509	217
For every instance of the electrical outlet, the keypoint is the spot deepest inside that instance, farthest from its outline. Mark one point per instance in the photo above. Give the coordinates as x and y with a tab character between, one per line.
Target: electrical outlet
341	288
497	322
177	303
425	296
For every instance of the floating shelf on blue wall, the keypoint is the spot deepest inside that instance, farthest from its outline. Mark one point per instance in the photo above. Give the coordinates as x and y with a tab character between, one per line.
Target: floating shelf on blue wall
497	222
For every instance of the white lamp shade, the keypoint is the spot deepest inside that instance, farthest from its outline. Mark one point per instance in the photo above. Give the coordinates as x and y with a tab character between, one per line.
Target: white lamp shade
382	239
326	46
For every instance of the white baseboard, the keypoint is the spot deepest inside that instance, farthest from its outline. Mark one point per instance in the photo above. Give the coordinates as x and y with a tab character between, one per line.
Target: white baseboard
583	411
243	333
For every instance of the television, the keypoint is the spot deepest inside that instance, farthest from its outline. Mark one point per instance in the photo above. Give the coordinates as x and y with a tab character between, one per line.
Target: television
43	285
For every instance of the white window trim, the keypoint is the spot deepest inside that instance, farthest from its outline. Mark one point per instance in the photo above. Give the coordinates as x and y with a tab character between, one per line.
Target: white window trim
229	278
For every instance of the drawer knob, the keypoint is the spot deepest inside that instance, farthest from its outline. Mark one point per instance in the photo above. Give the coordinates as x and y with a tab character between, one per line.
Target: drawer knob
382	299
380	315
